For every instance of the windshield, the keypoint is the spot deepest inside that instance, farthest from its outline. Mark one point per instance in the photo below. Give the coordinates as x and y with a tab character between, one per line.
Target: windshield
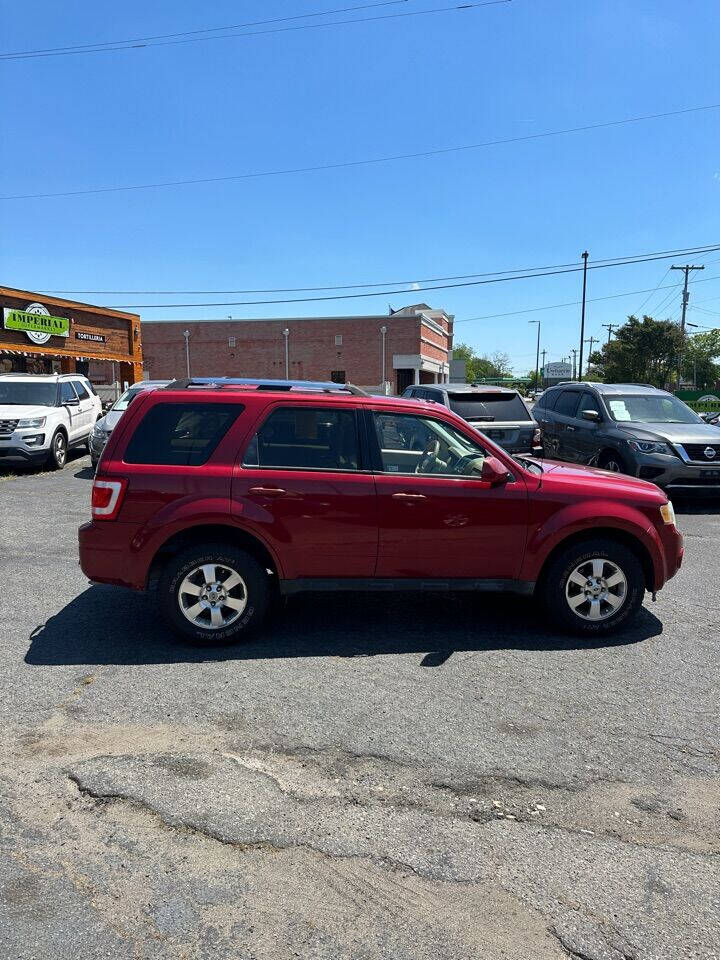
28	393
488	406
650	408
123	402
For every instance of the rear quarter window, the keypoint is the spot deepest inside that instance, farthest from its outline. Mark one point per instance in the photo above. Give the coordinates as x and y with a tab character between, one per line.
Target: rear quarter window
181	434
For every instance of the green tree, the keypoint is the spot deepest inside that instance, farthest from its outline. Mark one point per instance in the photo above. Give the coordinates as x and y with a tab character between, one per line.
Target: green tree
701	352
642	351
478	367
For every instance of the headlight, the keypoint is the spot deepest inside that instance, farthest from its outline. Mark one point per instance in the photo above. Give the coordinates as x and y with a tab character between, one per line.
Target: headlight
650	446
32	422
667	512
537	435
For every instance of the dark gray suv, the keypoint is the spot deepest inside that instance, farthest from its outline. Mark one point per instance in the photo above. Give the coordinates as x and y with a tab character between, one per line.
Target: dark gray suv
498	412
631	428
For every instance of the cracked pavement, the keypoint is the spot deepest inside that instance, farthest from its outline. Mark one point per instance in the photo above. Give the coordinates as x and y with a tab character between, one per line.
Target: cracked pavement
374	777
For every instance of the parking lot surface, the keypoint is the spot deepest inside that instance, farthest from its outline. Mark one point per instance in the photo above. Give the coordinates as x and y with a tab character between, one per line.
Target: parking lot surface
372	777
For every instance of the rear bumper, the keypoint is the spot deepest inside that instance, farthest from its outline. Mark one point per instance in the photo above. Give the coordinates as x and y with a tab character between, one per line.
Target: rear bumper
104	550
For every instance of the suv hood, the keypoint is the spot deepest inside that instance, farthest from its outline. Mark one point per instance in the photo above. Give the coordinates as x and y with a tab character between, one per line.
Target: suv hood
110	420
15	411
604	481
677	432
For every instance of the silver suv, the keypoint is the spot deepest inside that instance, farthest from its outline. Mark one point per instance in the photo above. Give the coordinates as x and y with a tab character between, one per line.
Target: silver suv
498	412
44	416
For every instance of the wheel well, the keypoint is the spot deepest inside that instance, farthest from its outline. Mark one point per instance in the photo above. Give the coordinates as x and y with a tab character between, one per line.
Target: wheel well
607	533
612	452
209	533
61	429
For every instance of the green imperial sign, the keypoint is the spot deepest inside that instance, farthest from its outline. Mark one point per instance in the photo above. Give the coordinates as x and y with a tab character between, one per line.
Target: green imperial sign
36	323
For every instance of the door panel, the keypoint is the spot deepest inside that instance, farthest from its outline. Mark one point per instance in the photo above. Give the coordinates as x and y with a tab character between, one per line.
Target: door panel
450	527
302	489
437	517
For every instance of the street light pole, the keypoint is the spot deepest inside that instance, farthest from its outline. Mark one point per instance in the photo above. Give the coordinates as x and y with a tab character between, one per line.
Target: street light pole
582	317
186	334
537	355
286	334
383	331
574	353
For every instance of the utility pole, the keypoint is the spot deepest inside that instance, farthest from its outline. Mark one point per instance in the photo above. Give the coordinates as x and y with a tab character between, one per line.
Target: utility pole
574	353
591	341
537	356
582	318
610	327
685	297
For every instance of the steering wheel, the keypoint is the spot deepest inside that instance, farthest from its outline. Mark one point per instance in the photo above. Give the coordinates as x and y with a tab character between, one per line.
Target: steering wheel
428	457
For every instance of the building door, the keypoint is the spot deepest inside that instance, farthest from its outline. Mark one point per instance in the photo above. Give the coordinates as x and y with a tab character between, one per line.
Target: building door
405	377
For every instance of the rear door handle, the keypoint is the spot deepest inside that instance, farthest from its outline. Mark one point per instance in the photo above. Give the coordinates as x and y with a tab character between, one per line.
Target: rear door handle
409	496
268	491
569	427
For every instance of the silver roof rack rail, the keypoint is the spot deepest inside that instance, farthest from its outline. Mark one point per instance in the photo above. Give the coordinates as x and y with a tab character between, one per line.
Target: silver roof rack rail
279	385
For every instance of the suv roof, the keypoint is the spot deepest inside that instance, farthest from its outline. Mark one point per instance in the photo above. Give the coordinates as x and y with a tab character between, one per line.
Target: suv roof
610	388
464	387
42	376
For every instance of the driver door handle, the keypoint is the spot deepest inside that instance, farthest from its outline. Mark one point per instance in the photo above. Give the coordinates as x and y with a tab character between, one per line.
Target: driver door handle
570	428
409	496
268	491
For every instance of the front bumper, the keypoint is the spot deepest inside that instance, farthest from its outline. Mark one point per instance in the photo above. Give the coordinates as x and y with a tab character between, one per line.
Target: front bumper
97	444
673	475
16	448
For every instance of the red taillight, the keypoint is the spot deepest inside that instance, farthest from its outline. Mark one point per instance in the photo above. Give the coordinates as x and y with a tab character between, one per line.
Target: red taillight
107	497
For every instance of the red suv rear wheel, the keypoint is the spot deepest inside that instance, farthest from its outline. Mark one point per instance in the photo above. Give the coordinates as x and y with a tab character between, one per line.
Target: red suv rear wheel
214	594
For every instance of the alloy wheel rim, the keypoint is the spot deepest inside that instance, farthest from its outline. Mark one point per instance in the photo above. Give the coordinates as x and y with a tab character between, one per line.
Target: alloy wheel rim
212	596
596	589
59	449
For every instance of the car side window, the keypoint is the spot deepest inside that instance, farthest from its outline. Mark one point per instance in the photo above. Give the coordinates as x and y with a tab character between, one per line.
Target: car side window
80	390
567	403
417	444
181	434
589	402
301	438
67	394
549	399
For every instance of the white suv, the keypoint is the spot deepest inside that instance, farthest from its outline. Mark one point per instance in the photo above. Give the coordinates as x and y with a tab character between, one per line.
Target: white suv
42	417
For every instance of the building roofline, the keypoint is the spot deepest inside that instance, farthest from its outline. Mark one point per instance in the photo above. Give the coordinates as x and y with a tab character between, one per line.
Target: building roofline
68	304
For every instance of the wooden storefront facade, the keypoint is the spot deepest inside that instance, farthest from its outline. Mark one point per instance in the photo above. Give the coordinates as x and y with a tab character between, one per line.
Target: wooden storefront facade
42	334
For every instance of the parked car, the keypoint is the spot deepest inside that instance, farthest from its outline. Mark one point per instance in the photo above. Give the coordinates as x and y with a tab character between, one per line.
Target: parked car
107	423
43	416
633	429
219	496
498	412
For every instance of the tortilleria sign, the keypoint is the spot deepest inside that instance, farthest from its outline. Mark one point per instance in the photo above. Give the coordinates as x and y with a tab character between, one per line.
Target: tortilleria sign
36	323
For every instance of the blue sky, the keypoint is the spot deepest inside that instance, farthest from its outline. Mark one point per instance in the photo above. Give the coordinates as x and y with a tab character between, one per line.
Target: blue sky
302	98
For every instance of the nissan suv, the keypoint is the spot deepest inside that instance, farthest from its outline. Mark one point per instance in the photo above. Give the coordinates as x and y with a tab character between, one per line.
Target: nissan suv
44	416
633	429
498	412
220	496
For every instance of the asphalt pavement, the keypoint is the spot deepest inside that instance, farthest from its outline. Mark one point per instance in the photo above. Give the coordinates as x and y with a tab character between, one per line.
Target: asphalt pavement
425	777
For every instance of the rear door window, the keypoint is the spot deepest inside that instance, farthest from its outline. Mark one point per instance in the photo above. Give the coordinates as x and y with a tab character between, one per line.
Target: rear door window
67	394
488	406
80	389
181	434
301	438
568	403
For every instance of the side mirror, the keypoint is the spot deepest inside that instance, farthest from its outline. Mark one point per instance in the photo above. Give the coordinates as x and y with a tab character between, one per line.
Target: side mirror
592	415
73	402
493	472
704	415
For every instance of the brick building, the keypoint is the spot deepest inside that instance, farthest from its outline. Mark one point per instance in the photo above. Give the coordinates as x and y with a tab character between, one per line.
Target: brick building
416	342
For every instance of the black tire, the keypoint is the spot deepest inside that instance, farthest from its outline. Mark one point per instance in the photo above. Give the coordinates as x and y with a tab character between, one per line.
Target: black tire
554	588
612	460
255	589
57	457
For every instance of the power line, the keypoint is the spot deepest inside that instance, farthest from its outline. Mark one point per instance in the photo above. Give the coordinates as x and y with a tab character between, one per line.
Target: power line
382	293
187	33
610	261
368	161
32	55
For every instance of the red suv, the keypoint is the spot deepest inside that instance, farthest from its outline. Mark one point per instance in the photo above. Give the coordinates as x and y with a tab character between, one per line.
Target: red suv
222	494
